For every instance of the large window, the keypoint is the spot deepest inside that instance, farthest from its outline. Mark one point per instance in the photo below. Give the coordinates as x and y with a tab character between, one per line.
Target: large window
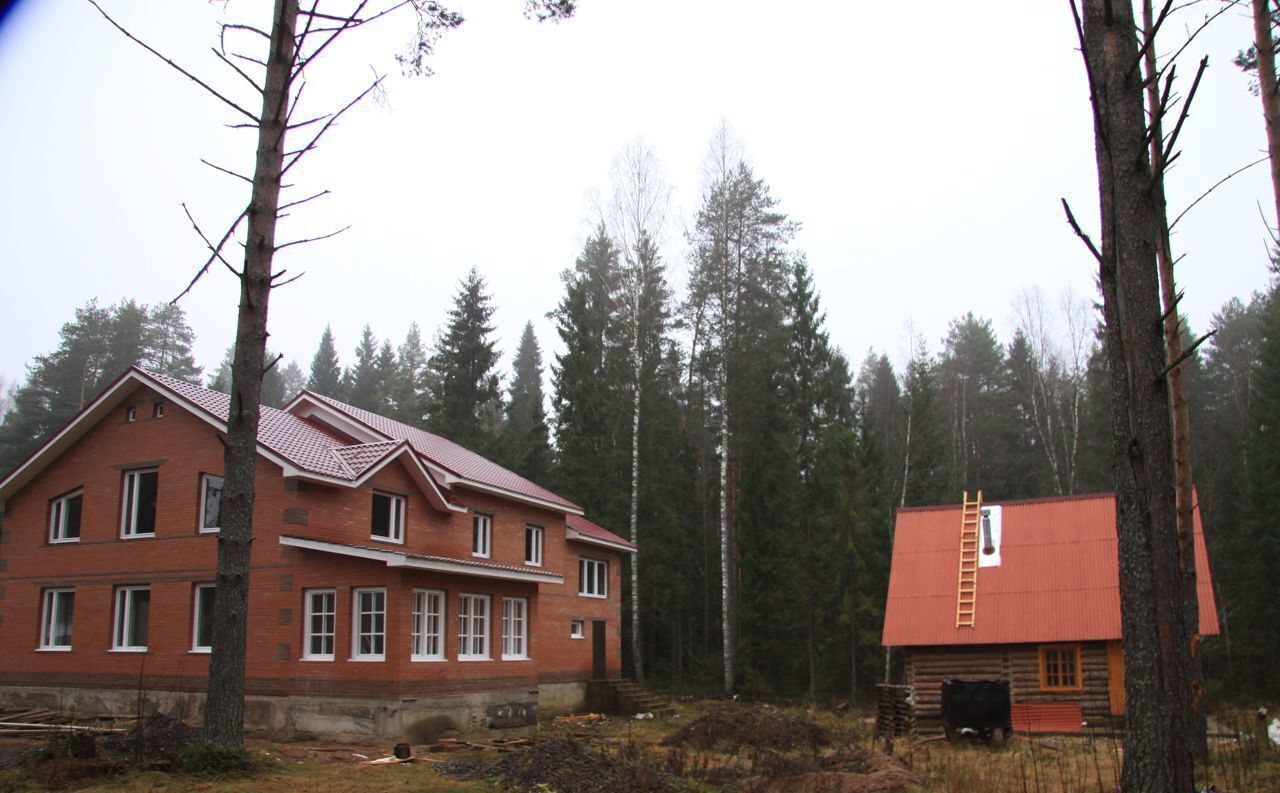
515	629
133	608
593	578
55	620
64	517
1060	668
210	503
138	515
428	625
202	621
388	517
533	545
473	627
369	637
481	535
317	641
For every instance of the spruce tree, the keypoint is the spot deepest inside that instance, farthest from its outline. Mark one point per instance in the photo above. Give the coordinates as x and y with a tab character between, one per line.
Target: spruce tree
929	477
464	401
326	371
526	446
408	384
363	389
384	369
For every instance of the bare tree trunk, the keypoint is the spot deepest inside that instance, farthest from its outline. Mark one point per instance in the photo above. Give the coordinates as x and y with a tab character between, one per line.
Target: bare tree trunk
726	551
1267	89
1181	414
1157	751
224	708
637	656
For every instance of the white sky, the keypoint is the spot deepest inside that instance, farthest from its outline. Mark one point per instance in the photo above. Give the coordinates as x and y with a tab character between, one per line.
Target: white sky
924	148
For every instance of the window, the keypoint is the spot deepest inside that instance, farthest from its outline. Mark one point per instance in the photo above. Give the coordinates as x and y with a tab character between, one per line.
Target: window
157	410
473	628
133	605
1060	668
210	503
515	629
64	517
593	575
428	625
139	513
202	622
577	630
130	414
322	607
388	518
55	619
369	639
481	529
533	545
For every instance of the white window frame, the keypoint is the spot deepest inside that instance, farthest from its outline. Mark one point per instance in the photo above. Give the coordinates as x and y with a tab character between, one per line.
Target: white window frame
196	593
473	627
533	545
428	610
49	609
157	410
58	517
588	578
130	414
378	632
205	480
123	623
577	629
396	513
129	511
515	629
481	535
310	613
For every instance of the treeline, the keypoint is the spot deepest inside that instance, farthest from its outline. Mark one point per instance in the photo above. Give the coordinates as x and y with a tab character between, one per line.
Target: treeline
756	466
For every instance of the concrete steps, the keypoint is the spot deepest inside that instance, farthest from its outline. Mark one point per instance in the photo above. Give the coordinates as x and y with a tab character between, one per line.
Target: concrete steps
630	699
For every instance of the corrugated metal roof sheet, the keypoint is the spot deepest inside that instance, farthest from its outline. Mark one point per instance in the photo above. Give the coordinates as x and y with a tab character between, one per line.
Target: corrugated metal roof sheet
1058	579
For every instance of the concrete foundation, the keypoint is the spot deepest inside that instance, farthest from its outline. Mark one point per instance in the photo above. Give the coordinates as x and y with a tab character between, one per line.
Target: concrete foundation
418	720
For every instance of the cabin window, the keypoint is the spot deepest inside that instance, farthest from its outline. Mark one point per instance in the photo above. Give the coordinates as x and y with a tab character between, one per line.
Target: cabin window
55	620
202	622
428	625
133	609
138	515
64	517
370	640
210	503
473	628
388	518
533	545
1060	668
481	535
515	629
322	607
593	577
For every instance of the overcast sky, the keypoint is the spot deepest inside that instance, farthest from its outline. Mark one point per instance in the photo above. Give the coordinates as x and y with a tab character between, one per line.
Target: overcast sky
923	148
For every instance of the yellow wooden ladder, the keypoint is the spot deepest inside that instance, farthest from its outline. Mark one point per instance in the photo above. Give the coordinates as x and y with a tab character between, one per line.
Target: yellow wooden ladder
967	581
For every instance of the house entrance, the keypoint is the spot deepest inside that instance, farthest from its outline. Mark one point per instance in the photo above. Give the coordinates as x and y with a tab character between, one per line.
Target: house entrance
598	649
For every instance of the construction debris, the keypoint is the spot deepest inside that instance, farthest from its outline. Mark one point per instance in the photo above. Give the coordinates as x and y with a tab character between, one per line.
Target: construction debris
585	718
495	745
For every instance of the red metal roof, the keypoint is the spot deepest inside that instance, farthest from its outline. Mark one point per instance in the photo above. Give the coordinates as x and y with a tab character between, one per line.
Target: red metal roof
1058	580
588	529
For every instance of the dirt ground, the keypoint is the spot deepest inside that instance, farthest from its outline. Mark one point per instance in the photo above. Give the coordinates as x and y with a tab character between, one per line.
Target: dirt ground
708	746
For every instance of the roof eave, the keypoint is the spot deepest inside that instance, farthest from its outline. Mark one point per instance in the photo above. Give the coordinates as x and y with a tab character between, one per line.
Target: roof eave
402	559
577	536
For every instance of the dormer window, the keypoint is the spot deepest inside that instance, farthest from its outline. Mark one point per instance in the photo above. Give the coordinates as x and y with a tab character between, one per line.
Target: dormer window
388	518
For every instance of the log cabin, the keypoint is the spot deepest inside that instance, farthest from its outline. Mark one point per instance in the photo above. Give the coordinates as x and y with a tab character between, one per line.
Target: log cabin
1021	591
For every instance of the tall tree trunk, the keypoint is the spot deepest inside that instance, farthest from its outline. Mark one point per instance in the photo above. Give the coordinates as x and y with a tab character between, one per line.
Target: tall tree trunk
637	657
1267	89
224	707
726	551
1157	750
1181	414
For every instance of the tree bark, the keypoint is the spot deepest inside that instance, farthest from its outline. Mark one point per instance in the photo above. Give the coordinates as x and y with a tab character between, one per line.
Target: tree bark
1267	89
637	656
726	550
224	707
1157	753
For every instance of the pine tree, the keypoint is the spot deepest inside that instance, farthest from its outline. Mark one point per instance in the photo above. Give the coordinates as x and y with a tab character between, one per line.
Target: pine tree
167	343
465	403
526	444
326	371
363	391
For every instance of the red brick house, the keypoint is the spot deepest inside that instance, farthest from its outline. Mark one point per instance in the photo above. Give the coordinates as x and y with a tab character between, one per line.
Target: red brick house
1045	613
399	584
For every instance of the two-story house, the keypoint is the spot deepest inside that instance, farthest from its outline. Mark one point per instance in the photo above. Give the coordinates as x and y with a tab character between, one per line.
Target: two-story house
399	582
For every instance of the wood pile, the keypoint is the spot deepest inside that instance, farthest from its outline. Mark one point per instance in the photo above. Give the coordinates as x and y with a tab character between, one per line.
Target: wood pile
42	721
494	745
895	715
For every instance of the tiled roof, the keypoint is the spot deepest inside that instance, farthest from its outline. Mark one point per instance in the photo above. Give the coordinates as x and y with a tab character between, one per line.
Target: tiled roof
449	455
587	528
360	457
1058	579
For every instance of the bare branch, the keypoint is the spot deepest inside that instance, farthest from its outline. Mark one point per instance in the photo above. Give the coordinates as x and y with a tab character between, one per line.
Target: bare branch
1186	110
286	282
226	171
181	70
1187	353
272	364
1216	185
308	122
248	58
1079	232
1151	37
237	69
1093	92
303	62
327	124
216	250
304	200
249	28
1227	6
312	239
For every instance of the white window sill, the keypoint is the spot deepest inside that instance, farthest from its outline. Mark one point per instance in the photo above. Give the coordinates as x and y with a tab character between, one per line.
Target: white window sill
387	540
138	536
215	530
200	651
367	659
320	658
528	563
596	597
71	541
479	555
427	659
128	650
53	649
516	658
466	658
577	638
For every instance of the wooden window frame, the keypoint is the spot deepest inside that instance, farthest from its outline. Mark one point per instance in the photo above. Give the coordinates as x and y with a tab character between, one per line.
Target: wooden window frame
1079	667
